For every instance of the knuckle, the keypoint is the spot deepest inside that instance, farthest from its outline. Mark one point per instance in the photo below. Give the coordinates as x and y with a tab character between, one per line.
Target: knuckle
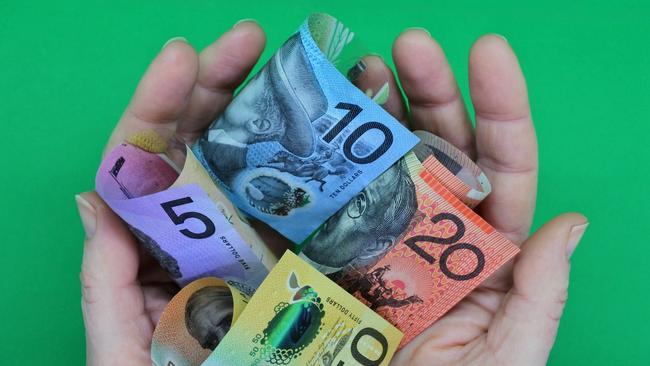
88	281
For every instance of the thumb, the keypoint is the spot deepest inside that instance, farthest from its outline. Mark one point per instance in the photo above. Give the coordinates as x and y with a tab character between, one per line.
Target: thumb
111	297
110	256
526	324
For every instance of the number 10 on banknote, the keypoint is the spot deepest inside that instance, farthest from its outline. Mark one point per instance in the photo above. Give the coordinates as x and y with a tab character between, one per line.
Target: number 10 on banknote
300	140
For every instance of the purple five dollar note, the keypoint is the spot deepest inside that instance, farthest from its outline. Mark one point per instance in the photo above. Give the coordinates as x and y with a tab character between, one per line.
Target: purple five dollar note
181	226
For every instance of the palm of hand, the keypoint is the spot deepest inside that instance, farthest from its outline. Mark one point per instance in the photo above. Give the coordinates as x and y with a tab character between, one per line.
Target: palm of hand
125	291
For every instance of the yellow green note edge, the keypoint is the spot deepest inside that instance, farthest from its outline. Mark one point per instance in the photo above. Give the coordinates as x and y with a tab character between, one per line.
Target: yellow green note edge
300	317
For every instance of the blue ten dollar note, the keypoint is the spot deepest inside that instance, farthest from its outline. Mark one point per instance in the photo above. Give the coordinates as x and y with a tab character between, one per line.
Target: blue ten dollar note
300	140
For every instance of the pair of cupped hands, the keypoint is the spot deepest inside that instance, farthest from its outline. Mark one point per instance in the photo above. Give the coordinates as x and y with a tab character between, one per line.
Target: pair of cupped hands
510	319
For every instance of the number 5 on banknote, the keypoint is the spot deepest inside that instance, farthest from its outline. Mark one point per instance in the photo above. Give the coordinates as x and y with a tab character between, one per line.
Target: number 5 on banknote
168	207
180	217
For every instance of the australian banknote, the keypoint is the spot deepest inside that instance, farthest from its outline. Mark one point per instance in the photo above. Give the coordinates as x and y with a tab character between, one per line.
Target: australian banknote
179	215
299	317
300	140
452	168
195	321
407	247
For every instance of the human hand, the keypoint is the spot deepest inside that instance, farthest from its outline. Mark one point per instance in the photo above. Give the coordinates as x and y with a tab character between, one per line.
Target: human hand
512	318
125	291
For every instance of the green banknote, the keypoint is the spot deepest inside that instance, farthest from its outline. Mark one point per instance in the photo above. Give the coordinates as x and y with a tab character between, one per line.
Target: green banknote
300	317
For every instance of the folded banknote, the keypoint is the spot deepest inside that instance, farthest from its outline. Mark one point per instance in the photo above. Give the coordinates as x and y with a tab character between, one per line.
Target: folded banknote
300	140
452	168
179	215
303	150
195	321
300	317
408	247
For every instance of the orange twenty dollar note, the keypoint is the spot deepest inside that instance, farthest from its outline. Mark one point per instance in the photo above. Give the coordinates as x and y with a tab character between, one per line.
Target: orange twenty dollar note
444	250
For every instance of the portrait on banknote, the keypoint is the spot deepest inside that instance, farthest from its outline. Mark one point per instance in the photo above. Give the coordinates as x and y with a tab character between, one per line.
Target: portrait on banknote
368	227
208	315
267	110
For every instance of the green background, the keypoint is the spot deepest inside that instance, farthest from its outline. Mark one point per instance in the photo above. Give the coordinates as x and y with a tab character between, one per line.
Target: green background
67	70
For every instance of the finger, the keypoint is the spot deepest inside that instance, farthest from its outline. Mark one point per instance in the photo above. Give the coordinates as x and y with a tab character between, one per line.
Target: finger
433	95
525	326
505	136
112	300
223	66
375	80
110	252
163	93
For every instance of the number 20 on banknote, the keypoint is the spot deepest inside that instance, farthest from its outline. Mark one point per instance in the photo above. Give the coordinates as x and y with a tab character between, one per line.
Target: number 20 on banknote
454	245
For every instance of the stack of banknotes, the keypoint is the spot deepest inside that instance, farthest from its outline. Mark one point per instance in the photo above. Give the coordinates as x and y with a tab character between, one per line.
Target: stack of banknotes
306	226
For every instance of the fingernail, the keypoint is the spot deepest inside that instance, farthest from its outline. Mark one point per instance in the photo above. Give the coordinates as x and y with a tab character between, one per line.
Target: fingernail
174	39
419	29
501	36
88	216
355	72
574	238
374	54
244	21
